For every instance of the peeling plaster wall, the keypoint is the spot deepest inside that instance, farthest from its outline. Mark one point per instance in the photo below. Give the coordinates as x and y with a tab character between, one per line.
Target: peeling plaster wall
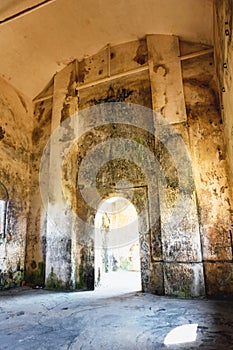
185	253
15	151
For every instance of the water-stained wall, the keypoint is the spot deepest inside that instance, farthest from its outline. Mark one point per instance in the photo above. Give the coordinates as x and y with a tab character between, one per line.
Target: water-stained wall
210	168
172	165
221	274
15	152
223	39
37	218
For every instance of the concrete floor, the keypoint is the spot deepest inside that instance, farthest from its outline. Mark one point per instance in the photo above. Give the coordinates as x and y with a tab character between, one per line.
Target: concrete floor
110	319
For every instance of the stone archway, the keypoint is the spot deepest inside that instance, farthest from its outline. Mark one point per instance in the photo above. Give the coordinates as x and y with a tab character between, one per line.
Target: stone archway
94	169
117	246
138	196
156	168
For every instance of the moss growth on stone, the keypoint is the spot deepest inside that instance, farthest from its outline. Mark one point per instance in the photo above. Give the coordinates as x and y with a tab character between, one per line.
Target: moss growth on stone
36	277
53	282
11	279
80	284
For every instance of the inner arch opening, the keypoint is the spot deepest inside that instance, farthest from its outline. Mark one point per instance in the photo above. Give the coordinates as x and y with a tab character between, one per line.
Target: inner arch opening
117	246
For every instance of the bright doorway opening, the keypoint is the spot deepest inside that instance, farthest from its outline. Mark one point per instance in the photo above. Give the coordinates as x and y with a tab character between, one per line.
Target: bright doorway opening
117	247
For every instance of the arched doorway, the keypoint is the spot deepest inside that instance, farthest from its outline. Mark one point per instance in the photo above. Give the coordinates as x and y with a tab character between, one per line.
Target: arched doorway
117	246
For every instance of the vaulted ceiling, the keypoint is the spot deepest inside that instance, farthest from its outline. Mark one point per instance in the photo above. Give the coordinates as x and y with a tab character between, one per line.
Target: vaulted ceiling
39	43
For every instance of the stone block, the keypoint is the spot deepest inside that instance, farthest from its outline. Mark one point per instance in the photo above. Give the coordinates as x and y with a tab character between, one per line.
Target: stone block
219	278
184	280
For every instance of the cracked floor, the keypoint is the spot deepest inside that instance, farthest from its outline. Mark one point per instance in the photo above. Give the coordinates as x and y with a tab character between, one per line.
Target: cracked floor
40	319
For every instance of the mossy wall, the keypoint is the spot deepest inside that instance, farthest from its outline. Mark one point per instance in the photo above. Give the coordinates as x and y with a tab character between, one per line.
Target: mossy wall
186	243
15	151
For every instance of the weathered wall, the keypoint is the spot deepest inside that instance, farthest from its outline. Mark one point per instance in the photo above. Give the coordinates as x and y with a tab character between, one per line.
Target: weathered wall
222	274
60	243
181	250
160	84
15	151
186	245
210	170
223	42
37	218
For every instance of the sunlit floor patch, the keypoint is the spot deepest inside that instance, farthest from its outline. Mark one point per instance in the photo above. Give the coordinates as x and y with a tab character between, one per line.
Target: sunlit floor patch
120	282
182	334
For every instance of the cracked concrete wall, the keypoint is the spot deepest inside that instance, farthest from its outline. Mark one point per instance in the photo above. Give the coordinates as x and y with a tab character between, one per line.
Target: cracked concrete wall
15	139
183	253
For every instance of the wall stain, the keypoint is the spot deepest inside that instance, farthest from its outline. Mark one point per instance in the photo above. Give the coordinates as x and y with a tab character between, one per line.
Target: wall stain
71	93
37	134
142	53
2	133
161	68
22	102
114	95
82	71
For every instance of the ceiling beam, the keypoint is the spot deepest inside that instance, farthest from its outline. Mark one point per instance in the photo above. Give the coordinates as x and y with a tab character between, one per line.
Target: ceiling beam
26	11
